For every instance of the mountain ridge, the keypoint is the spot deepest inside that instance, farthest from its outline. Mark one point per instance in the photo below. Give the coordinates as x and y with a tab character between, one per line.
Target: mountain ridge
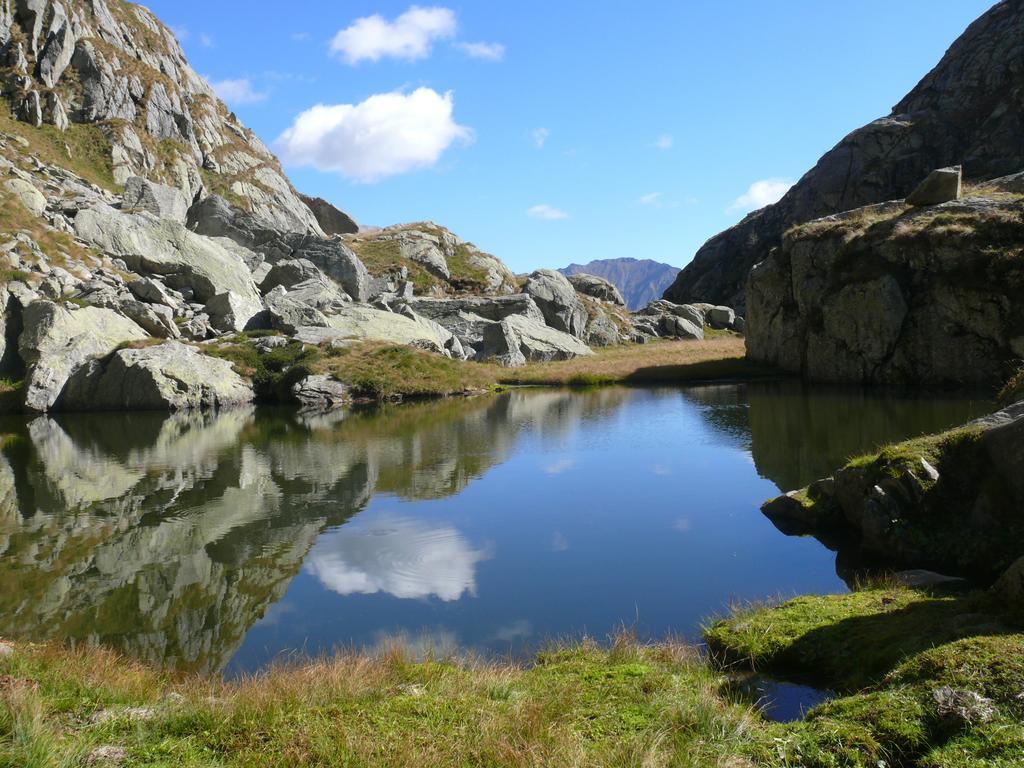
640	281
969	110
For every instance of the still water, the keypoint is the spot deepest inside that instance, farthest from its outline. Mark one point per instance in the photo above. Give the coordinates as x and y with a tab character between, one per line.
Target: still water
222	542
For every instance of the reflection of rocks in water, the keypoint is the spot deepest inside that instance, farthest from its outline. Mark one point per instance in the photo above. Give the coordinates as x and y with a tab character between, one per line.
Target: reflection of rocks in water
798	434
404	558
168	537
725	409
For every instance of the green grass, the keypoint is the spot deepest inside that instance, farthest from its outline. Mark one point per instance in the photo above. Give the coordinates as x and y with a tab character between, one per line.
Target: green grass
576	704
382	371
1013	391
886	650
83	148
272	373
10	395
579	705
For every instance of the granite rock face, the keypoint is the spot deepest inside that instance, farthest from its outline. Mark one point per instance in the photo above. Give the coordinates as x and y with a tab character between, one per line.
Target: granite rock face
116	66
969	111
891	294
58	339
167	377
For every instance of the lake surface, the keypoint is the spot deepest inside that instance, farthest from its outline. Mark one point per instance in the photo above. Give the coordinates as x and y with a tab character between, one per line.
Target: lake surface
222	542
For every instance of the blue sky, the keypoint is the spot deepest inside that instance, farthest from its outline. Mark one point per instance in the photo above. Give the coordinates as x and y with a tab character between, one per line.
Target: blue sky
549	133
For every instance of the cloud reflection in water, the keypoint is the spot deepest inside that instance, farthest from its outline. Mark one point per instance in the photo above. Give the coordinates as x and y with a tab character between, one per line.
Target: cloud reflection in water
403	557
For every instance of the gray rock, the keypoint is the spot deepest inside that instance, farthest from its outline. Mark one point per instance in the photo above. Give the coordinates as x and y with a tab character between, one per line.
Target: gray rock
663	318
230	312
288	314
940	186
215	217
168	377
167	248
27	194
30	109
557	300
721	317
358	322
912	318
331	220
597	287
320	392
517	340
162	201
54	111
58	339
59	47
290	272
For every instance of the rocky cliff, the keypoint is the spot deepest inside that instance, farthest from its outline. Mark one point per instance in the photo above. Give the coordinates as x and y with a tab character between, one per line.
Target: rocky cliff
894	294
116	76
968	110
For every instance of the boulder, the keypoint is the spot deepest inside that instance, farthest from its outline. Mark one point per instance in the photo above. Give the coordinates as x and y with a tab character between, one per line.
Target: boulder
468	316
288	314
229	312
721	317
517	340
168	377
165	247
596	287
557	300
358	322
317	391
27	195
940	186
289	272
57	339
162	201
331	220
665	319
215	217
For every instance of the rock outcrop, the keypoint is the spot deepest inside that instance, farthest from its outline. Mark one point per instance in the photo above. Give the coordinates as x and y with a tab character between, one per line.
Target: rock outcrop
949	502
58	338
167	377
969	111
115	67
889	294
331	220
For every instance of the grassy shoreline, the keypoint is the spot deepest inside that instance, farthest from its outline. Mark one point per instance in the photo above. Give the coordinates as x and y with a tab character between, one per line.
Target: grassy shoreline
385	372
886	651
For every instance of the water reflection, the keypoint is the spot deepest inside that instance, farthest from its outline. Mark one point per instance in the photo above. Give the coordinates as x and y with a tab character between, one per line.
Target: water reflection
192	539
404	558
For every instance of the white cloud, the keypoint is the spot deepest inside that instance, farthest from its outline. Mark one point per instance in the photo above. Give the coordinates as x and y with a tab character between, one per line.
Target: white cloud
540	136
402	557
181	33
410	36
386	135
299	37
761	193
237	91
665	141
651	198
487	51
561	465
206	41
547	212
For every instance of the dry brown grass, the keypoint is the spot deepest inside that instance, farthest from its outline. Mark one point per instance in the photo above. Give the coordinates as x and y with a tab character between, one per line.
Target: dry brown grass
720	357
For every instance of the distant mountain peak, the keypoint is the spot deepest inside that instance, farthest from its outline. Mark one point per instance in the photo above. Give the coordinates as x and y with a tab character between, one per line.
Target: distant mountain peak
641	281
